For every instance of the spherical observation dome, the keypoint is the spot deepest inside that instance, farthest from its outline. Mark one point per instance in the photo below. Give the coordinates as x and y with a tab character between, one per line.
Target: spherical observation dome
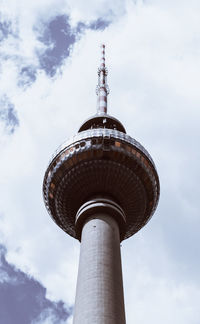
101	162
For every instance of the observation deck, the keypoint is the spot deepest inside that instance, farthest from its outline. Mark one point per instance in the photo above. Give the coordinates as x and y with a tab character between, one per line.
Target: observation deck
101	162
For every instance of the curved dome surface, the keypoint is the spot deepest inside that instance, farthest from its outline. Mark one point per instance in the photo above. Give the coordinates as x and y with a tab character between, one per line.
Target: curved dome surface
101	162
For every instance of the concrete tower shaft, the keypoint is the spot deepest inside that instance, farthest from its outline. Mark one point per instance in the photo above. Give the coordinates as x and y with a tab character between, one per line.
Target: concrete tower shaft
99	293
99	297
101	187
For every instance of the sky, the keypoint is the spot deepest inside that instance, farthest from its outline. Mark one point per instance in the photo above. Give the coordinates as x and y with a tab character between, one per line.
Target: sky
49	54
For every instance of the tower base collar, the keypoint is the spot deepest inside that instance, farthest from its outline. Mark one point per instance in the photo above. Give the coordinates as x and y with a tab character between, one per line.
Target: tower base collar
96	205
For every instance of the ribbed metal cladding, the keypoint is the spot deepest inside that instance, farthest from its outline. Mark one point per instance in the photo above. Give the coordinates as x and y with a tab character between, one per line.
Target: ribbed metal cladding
107	162
99	293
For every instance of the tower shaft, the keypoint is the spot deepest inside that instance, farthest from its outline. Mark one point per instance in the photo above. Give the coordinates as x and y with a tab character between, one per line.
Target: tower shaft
99	292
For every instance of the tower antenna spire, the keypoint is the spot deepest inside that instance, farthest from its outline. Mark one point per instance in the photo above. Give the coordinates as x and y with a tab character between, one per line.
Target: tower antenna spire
102	89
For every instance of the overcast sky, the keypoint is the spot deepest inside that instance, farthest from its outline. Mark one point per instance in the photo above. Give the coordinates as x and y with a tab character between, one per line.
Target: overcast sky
49	54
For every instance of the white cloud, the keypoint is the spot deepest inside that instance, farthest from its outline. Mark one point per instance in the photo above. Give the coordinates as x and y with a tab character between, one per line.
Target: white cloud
48	316
70	319
79	11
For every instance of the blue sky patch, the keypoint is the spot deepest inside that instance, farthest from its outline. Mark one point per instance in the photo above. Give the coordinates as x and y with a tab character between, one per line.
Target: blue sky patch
5	29
27	76
59	38
8	115
23	299
99	24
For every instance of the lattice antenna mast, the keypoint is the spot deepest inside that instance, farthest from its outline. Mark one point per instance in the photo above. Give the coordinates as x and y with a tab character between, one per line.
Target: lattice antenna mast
102	89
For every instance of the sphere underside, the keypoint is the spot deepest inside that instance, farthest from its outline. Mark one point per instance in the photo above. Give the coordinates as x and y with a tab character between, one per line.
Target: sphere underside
101	164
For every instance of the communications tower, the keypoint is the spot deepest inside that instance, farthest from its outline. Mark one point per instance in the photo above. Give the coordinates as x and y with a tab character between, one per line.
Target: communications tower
101	187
